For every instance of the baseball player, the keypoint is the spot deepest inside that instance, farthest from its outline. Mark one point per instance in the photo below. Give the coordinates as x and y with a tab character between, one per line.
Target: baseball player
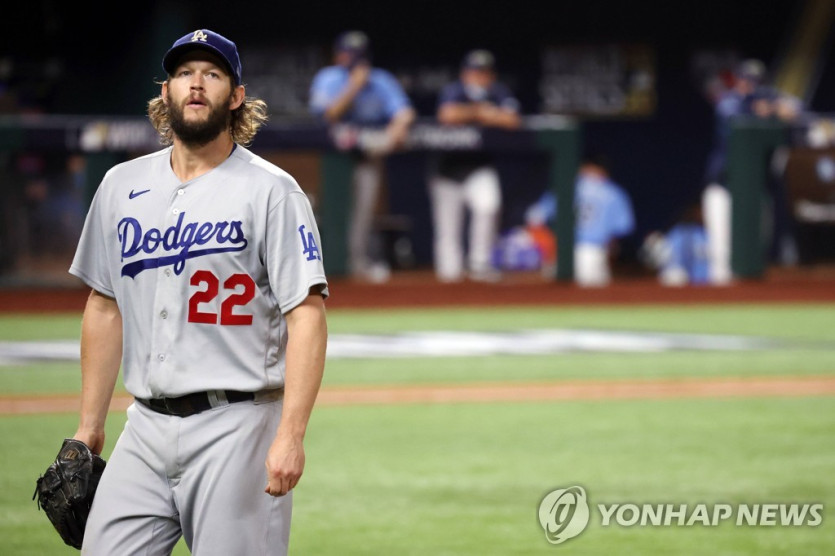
603	213
680	255
352	91
208	287
750	96
740	100
687	261
468	181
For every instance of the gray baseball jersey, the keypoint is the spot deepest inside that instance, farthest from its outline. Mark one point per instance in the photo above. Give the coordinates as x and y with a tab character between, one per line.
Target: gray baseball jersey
202	271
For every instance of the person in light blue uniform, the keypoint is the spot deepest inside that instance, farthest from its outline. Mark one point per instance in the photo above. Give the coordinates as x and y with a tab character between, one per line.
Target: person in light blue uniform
687	262
353	92
681	254
603	213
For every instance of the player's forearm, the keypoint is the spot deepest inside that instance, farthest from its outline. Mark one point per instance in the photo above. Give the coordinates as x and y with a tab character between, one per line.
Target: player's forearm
454	113
305	364
398	128
343	102
101	355
489	114
340	106
357	80
506	119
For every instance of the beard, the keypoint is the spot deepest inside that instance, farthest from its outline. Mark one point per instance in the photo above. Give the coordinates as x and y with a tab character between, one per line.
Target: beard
197	134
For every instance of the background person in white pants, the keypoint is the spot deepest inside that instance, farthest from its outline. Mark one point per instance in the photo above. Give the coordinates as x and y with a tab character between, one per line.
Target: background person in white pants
738	100
468	181
750	96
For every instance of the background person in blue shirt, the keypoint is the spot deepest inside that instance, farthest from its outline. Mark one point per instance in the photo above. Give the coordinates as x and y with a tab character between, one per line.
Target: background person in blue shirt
687	262
603	216
468	181
680	255
352	91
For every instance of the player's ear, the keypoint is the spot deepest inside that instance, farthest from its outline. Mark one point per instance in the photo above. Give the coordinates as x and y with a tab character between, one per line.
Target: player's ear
164	92
237	98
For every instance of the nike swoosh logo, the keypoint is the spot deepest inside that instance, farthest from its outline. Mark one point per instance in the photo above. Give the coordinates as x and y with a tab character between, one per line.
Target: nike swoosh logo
134	194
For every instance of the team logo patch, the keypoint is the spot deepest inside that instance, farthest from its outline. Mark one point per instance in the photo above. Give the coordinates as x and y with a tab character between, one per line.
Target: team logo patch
309	247
175	245
199	35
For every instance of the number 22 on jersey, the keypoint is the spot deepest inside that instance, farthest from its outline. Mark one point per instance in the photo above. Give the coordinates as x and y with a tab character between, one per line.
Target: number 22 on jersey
233	296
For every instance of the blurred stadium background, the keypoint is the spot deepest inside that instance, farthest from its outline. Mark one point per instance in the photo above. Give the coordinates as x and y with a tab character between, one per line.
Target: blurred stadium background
635	78
435	475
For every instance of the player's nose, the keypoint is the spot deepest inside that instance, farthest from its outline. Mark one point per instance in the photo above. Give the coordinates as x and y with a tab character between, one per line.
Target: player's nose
197	80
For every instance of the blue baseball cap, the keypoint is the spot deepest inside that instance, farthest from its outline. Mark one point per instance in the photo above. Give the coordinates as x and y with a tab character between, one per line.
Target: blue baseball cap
479	59
752	69
355	42
204	39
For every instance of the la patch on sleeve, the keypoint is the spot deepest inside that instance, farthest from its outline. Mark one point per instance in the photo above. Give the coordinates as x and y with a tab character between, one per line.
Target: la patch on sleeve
309	247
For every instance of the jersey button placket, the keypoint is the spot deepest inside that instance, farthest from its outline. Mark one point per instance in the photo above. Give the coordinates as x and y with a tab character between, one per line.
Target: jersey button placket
165	295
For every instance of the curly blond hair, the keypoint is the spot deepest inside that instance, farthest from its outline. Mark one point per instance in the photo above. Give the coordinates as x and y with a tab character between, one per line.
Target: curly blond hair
247	119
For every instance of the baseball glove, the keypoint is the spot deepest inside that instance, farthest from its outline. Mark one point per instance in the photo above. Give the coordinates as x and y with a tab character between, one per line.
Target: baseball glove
65	491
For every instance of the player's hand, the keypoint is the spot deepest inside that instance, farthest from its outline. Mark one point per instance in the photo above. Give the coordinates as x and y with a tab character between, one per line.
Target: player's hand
487	113
787	109
359	76
285	464
94	439
383	145
762	108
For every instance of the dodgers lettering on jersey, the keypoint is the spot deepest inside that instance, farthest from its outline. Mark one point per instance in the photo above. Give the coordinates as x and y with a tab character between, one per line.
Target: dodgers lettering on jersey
223	256
175	243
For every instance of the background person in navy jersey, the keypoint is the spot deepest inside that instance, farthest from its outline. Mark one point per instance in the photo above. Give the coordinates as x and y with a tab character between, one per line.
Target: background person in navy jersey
750	96
465	181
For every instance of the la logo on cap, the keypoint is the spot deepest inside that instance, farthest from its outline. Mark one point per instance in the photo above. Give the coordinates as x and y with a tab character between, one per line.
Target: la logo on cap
199	36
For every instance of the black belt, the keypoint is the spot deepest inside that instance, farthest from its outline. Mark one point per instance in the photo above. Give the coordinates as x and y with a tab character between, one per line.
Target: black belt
191	404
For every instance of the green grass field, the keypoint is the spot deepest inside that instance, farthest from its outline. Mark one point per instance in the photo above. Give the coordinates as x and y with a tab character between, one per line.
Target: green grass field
467	478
